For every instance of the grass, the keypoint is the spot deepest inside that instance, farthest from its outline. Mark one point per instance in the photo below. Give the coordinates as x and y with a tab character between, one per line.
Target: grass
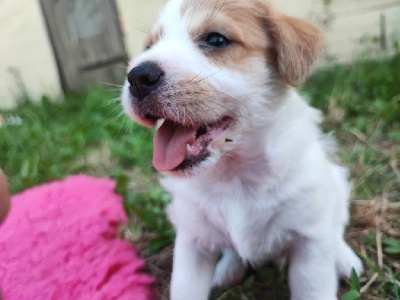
86	133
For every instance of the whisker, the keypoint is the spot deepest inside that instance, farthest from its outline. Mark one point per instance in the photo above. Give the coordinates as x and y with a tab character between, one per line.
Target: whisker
122	66
117	117
143	28
113	111
110	102
216	10
122	123
111	84
208	76
114	90
190	81
220	8
210	16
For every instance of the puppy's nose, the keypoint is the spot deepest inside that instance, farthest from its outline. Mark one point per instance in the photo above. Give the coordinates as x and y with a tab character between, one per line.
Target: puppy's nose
144	79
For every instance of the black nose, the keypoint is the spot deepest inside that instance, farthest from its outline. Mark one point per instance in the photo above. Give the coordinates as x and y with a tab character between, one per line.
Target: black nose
144	79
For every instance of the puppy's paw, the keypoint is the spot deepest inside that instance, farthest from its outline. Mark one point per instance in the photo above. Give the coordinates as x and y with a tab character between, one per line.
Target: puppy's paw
230	270
346	261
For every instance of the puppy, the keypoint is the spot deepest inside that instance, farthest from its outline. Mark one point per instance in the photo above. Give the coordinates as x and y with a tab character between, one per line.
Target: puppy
250	172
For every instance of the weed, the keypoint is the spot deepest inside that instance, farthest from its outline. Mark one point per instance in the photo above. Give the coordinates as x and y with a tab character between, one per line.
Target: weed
355	291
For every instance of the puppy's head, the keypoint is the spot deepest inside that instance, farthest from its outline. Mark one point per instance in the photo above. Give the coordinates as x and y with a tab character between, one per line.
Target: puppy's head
210	74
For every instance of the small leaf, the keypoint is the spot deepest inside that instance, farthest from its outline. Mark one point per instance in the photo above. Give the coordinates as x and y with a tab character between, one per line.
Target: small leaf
159	243
393	246
370	263
392	250
392	242
395	290
355	283
352	295
370	240
122	184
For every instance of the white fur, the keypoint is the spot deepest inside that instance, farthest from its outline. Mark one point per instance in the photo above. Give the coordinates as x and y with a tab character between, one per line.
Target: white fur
273	192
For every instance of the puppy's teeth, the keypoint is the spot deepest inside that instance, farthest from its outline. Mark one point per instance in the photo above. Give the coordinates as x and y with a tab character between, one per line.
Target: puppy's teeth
159	123
189	148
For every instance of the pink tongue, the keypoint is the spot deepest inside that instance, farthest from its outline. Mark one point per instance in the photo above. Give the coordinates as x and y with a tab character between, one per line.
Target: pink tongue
170	145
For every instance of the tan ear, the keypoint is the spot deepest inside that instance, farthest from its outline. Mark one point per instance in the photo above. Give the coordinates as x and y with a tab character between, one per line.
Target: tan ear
297	44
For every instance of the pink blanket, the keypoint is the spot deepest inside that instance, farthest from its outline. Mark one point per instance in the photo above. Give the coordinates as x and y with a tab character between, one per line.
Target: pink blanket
59	242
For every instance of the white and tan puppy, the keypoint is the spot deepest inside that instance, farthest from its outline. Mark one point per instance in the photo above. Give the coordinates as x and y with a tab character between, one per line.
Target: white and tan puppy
249	170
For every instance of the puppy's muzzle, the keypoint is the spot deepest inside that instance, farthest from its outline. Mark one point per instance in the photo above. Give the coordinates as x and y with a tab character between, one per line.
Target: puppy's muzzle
144	79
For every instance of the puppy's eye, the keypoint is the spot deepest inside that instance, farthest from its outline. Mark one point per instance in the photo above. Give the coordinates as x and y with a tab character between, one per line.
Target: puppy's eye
216	40
147	47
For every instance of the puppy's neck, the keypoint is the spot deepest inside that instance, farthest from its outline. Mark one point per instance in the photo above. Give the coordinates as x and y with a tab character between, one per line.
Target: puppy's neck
246	165
267	154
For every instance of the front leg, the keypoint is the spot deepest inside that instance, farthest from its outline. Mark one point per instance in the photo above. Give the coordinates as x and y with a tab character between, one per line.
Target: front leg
312	272
230	269
193	270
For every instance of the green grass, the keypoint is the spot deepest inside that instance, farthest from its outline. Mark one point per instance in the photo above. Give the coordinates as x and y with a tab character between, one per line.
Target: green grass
362	106
86	133
60	138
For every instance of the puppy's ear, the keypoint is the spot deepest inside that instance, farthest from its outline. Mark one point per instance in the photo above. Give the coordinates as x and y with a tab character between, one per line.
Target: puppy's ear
297	45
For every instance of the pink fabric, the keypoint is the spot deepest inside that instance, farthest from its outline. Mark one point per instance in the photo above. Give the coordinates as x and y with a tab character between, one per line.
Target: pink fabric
59	242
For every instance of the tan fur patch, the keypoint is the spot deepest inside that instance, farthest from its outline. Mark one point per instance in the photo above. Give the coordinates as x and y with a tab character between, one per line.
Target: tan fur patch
230	18
260	34
297	44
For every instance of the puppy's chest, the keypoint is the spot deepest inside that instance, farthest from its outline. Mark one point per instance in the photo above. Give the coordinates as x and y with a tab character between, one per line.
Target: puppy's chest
255	231
253	227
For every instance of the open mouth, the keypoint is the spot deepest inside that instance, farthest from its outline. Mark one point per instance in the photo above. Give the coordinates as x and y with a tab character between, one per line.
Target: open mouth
178	147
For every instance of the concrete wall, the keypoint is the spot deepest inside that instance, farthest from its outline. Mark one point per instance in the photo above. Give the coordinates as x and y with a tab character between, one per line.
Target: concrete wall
137	18
350	25
27	61
344	22
26	56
